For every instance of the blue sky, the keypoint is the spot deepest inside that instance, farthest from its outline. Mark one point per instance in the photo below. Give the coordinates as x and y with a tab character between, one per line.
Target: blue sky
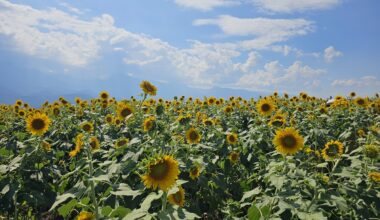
188	47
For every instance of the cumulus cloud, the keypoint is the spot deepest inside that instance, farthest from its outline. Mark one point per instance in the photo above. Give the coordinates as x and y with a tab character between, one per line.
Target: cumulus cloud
275	76
205	5
289	6
249	63
330	53
365	81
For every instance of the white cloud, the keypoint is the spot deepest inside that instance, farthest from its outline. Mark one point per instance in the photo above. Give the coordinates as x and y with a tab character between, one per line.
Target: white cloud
288	6
330	53
261	27
365	81
249	63
275	76
205	5
70	8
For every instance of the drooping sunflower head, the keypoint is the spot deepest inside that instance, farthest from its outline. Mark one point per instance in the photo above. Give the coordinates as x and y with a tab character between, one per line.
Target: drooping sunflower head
371	151
374	176
162	172
234	157
83	215
79	142
193	136
265	106
37	123
148	88
332	150
87	127
177	198
288	141
94	143
121	142
232	138
46	146
124	110
104	95
194	172
149	123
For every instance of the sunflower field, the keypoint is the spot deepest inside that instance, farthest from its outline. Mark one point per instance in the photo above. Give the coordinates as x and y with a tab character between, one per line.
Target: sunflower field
275	157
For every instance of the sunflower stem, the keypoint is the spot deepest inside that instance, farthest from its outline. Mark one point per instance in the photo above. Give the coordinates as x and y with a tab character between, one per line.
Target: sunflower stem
92	185
164	201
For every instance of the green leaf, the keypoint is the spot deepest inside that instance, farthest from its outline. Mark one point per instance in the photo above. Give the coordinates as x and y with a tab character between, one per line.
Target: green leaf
66	209
254	213
120	212
277	181
106	210
5	189
251	193
149	199
125	190
85	200
101	178
265	211
60	199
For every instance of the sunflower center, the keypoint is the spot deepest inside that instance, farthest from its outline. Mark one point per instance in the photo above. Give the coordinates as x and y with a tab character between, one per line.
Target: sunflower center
332	150
193	135
234	157
159	171
289	141
194	171
360	101
177	197
277	122
148	87
86	127
125	112
265	107
231	138
104	96
109	119
38	124
121	143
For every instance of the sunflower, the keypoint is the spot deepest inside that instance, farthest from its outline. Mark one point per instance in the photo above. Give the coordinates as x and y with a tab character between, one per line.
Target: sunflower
228	109
46	146
177	198
121	142
21	113
288	141
361	102
208	122
148	88
332	150
277	122
375	176
87	127
18	102
194	172
108	119
162	172
265	106
124	110
83	215
94	143
78	145
371	151
232	138
37	123
234	157
193	136
149	123
104	95
211	100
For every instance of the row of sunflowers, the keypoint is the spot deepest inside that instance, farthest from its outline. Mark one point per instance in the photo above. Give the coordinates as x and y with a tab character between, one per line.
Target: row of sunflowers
277	157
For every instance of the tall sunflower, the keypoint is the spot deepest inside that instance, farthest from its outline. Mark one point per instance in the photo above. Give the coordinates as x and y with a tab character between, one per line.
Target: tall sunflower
161	173
332	150
362	102
177	198
148	88
149	123
234	157
194	172
193	136
78	145
104	95
121	142
232	138
37	123
265	106
288	141
94	143
83	215
87	127
124	110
